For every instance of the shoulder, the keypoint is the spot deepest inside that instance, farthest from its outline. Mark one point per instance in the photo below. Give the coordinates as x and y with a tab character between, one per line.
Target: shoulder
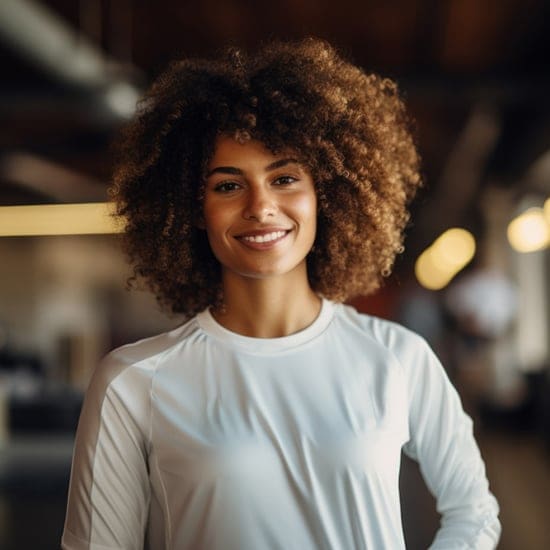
118	398
388	334
401	347
137	362
389	340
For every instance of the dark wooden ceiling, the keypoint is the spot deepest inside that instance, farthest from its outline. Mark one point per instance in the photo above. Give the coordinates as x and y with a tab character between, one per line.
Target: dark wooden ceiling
457	62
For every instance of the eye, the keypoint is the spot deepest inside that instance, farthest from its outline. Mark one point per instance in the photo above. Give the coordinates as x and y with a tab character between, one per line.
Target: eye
284	180
226	187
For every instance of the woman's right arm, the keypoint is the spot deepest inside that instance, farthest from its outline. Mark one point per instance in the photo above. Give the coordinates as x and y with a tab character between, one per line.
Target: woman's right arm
109	492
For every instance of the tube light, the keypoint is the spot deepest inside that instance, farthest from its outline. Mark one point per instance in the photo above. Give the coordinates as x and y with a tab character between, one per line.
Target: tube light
59	219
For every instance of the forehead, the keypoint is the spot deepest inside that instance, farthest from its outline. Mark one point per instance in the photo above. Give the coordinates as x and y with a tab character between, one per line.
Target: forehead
229	152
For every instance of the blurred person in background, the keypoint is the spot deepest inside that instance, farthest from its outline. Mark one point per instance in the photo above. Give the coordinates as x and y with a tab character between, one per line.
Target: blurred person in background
260	192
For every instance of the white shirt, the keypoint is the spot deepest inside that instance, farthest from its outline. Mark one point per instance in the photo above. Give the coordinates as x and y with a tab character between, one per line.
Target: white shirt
201	438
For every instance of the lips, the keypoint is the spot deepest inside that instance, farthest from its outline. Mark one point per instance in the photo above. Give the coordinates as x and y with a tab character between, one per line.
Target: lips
263	238
268	237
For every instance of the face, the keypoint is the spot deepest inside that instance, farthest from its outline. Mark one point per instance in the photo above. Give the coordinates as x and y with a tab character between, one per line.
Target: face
260	210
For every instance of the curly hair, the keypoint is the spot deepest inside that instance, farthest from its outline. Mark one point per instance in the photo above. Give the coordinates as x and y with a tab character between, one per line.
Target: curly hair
348	128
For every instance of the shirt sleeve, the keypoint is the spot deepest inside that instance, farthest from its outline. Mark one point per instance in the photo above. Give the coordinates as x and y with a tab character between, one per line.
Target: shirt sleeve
109	489
442	441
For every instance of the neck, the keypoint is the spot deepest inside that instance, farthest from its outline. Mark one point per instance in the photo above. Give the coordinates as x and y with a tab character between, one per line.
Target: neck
267	308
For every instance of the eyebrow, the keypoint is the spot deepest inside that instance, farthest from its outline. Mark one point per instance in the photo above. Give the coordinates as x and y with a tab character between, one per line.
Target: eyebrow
238	172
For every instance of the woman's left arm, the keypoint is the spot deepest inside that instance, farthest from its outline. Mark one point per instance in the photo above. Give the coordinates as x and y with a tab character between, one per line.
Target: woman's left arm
442	441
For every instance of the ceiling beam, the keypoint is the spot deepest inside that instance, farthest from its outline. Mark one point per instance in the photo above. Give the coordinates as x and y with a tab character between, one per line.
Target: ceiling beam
36	32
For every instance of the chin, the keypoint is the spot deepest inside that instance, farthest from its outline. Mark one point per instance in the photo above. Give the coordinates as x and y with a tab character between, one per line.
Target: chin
265	272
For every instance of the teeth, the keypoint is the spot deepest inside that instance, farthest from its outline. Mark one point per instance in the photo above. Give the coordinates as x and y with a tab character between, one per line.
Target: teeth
264	238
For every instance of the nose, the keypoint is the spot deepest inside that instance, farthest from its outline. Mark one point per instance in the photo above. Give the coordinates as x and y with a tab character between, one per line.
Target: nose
260	205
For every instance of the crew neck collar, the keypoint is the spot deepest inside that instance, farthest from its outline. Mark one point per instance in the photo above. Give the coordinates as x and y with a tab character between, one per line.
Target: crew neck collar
211	327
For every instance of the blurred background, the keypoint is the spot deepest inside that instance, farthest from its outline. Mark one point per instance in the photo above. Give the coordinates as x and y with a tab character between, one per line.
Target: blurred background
473	278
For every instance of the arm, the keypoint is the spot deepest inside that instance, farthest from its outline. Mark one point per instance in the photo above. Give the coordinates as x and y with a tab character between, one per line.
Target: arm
441	440
109	490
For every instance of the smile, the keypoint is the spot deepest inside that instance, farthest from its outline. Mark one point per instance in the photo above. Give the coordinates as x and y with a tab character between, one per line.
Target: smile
266	238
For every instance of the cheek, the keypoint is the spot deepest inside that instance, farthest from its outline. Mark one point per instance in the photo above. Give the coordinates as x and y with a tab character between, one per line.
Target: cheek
305	208
214	224
214	217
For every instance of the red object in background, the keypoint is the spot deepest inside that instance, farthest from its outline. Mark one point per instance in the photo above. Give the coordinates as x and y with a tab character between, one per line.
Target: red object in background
382	303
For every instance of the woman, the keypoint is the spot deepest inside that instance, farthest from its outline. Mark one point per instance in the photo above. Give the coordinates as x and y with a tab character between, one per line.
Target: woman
259	193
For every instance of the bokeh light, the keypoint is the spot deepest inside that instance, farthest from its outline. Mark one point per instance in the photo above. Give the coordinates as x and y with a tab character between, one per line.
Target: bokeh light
448	255
530	231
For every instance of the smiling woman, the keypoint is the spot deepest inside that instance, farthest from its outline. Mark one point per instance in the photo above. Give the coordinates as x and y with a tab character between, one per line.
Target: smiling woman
270	206
347	129
259	193
260	215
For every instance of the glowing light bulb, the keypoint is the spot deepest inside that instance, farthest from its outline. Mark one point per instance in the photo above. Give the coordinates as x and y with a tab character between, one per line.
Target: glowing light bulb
429	272
455	248
449	254
529	231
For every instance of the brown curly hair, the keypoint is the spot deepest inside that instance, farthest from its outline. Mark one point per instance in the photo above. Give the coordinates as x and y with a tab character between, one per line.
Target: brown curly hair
348	128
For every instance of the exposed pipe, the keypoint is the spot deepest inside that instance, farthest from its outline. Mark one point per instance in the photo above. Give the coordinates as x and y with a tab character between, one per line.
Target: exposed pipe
48	42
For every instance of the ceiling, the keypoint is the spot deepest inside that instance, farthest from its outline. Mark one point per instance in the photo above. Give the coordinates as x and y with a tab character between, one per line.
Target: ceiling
475	74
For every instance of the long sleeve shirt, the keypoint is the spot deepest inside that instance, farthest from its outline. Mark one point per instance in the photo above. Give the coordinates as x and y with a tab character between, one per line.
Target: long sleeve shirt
203	439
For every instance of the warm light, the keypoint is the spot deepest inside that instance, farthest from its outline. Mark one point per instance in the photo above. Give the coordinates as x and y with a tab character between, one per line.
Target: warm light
440	262
58	219
455	248
547	210
429	273
529	231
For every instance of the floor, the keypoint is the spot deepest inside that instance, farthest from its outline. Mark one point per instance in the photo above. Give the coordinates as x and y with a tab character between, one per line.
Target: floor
32	511
519	471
